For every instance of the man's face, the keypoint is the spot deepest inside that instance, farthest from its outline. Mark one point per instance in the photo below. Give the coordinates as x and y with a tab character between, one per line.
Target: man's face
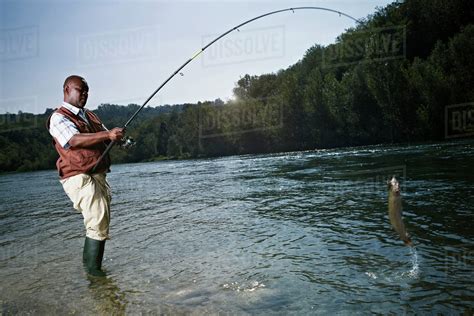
77	93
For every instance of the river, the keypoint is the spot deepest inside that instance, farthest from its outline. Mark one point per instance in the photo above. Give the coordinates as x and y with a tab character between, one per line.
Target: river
290	233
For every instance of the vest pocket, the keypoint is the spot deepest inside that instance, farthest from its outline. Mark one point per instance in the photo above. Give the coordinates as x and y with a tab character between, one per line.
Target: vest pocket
87	153
83	159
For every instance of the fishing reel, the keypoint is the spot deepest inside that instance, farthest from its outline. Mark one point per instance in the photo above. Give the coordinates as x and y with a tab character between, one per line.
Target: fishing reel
127	142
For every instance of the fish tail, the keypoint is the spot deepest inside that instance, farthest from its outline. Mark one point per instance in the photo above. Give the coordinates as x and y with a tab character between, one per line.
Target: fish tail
408	242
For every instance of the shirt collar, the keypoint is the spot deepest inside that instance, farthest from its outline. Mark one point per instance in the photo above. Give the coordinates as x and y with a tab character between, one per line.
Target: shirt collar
72	108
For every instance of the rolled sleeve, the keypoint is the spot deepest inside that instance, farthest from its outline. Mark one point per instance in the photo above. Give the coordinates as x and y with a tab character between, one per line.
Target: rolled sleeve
62	129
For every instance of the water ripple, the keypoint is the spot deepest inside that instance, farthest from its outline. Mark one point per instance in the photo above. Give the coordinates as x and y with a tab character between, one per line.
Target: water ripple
292	233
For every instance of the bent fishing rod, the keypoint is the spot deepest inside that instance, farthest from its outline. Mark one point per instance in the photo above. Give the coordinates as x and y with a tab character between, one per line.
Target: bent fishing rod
111	144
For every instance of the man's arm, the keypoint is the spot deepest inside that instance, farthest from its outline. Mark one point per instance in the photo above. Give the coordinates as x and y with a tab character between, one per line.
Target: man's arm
84	140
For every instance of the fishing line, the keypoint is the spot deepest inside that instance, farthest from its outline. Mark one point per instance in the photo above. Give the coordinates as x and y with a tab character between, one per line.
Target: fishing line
200	51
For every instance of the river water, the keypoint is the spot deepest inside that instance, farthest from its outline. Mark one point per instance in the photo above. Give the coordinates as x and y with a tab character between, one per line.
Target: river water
290	233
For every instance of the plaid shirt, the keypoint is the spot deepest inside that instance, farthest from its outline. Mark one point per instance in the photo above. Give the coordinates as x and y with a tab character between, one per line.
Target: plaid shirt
62	129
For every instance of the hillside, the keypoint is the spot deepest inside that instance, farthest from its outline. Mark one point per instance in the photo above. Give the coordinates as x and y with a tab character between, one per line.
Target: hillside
388	80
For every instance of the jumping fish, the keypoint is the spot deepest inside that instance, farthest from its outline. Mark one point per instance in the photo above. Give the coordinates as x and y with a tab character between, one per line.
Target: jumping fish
395	210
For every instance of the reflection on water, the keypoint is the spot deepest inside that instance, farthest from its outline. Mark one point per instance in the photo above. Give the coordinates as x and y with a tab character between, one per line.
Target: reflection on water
304	232
107	298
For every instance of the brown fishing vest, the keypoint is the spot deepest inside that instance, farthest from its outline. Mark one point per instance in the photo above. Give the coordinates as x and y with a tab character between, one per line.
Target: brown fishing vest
73	161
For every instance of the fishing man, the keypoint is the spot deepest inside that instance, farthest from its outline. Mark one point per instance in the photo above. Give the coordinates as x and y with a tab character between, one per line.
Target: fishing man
80	138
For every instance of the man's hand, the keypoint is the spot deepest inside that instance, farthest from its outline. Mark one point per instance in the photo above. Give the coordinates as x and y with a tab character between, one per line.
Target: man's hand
116	134
86	140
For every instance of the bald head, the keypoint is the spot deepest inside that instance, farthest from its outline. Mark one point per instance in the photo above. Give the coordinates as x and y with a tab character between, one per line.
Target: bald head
73	79
76	91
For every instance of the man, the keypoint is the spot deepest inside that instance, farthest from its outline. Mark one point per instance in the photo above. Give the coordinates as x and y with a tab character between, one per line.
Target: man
80	138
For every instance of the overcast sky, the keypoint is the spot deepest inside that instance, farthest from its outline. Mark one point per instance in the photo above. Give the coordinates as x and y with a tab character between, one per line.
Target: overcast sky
125	49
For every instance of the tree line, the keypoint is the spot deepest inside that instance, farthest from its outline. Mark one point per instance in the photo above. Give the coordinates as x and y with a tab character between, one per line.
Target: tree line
389	79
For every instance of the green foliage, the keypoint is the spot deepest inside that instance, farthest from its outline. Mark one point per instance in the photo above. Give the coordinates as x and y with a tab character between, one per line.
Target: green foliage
347	93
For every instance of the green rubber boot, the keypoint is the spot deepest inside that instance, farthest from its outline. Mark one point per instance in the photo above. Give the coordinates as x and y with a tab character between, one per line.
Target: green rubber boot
92	256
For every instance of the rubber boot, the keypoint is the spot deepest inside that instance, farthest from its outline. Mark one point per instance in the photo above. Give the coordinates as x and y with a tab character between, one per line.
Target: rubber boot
92	256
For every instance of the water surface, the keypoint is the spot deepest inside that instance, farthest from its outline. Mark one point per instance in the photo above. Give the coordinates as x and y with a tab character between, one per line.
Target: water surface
291	233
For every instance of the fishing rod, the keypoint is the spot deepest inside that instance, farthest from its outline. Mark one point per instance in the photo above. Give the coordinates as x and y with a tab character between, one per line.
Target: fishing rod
109	147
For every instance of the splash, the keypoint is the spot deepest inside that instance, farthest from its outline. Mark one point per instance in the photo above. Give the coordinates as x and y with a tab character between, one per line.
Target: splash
415	269
371	275
388	275
235	286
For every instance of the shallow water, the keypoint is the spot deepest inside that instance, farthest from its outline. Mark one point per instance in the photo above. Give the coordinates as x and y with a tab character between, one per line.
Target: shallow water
291	233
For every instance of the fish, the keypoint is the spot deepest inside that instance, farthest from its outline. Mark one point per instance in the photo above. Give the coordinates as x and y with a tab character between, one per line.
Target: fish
395	210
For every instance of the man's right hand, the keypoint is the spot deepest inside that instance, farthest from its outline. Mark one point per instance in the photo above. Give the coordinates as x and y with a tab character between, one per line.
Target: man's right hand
116	134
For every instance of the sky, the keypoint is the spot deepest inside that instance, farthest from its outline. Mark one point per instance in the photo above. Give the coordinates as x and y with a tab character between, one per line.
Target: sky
126	49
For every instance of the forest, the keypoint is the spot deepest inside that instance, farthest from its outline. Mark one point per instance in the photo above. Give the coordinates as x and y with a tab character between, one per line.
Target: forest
387	80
